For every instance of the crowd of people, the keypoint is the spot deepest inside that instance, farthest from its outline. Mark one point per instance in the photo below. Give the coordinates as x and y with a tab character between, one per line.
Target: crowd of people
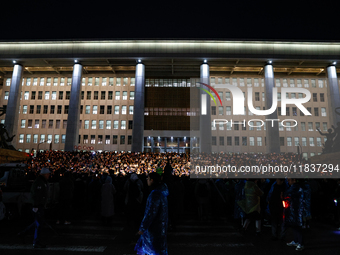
109	183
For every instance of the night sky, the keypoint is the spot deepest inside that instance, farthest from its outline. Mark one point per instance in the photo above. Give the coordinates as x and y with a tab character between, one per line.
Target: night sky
259	20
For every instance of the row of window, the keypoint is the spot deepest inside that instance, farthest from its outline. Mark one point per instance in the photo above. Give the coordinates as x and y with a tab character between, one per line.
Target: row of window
62	81
93	139
56	124
58	109
53	95
257	125
294	112
244	141
299	83
257	96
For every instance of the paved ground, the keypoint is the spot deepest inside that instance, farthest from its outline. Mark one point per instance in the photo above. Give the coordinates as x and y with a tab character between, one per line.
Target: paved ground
192	237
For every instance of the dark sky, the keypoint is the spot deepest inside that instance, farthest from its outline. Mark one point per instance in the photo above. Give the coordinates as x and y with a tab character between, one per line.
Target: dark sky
262	20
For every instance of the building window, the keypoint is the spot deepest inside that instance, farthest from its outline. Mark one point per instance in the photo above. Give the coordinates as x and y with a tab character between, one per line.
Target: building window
57	124
131	109
228	110
55	82
42	138
244	141
35	138
85	139
115	124
315	97
296	141
213	140
102	95
23	123
96	81
251	141
68	95
89	81
220	110
221	138
86	124
117	95
289	141
132	95
111	81
8	82
129	139
311	141
63	138
100	139
303	126
64	124
114	139
118	81
323	112
45	109
324	126
50	124
62	81
107	139
94	109
66	109
109	109
93	124
29	123
122	139
101	124
213	110
322	97
24	109
93	139
31	109
101	109
123	109
229	141
36	124
116	109
104	81
21	138
259	141
56	138
124	95
87	109
237	141
257	96
304	141
61	95
123	124
132	82
52	109
95	95
108	124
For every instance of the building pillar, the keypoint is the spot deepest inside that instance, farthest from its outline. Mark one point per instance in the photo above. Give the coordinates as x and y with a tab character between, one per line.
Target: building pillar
272	132
334	96
138	114
72	129
205	119
12	110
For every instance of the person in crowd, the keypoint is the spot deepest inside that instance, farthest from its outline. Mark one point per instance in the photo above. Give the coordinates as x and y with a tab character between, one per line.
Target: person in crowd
39	193
66	186
133	199
274	200
293	213
307	195
107	202
154	226
239	195
251	205
203	196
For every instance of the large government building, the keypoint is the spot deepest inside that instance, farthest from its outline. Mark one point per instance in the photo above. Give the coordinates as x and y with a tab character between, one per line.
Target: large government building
135	95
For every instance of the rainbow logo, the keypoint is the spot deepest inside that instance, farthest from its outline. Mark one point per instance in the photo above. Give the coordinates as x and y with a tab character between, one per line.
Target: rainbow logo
204	99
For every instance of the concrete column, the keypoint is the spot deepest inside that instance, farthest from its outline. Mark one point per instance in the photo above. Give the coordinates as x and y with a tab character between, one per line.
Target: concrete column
72	130
138	114
12	110
333	90
272	133
205	119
